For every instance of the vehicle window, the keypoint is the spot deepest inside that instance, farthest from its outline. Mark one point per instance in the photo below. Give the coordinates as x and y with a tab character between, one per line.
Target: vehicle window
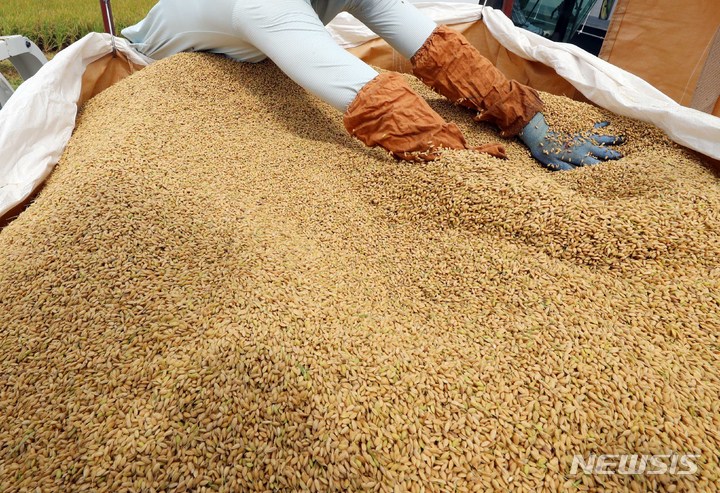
561	19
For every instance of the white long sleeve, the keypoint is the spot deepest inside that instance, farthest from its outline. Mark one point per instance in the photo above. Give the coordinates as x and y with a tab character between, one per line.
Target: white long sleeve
290	32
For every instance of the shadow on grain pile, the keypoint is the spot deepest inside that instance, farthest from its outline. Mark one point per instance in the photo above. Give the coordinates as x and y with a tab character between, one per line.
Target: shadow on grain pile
218	289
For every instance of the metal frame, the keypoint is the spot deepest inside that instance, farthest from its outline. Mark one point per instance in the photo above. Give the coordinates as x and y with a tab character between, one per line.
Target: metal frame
108	21
6	91
25	56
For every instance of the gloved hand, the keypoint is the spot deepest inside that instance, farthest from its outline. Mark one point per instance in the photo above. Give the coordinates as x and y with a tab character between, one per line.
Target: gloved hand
565	152
388	113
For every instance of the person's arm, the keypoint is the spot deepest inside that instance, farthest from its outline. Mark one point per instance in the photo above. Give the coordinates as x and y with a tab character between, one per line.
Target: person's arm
388	113
449	64
455	69
380	110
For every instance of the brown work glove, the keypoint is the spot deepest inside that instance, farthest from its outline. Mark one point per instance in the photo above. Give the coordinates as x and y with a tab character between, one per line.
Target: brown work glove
388	113
455	69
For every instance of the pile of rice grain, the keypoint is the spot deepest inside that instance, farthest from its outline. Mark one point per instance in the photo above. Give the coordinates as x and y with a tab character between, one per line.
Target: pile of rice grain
220	290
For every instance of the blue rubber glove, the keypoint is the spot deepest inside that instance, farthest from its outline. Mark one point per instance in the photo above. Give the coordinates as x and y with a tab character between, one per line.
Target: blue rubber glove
565	152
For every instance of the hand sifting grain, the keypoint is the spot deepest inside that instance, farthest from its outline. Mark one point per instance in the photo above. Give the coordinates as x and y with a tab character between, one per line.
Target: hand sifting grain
220	290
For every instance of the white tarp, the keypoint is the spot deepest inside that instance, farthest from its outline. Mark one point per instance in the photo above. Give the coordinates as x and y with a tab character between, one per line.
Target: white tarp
37	122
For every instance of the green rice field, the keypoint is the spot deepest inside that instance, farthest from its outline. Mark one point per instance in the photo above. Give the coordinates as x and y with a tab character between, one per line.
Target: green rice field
54	24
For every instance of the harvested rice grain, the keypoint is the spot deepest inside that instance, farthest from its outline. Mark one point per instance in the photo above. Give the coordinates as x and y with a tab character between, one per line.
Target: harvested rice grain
219	290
